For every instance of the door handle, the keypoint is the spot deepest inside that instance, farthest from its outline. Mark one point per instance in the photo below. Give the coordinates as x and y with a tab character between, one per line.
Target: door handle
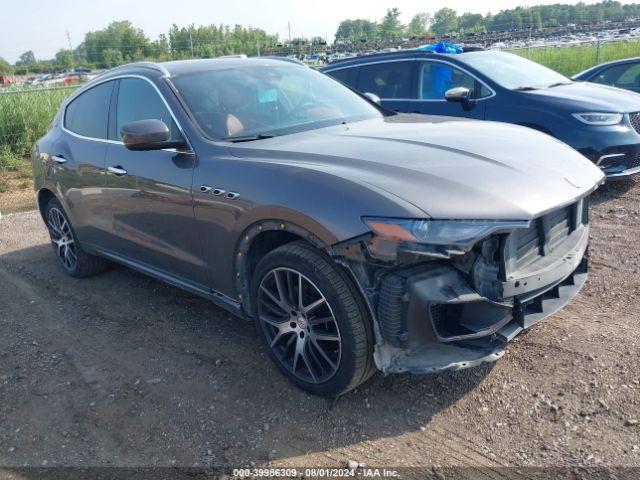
58	159
117	171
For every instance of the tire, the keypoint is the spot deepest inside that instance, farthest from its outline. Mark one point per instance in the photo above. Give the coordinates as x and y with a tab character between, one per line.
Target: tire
324	343
71	257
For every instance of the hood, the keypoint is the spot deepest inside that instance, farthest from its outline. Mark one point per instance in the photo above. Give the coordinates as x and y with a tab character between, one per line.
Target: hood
585	97
448	168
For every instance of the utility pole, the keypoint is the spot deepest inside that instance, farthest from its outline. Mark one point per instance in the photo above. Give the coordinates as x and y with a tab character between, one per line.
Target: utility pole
258	45
191	42
70	47
289	25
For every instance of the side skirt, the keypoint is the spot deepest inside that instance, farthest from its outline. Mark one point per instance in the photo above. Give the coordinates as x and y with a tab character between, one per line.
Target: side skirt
217	298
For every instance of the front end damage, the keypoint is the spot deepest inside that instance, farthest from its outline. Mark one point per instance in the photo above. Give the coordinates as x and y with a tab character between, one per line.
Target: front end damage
451	308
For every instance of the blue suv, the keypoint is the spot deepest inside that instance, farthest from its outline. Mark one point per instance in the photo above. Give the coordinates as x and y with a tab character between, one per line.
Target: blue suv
601	122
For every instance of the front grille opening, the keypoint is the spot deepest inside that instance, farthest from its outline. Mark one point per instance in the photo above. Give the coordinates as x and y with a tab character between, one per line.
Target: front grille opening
470	318
525	246
634	118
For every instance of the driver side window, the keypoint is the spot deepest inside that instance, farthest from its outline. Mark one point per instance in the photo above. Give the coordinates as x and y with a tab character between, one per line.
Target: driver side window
138	100
436	78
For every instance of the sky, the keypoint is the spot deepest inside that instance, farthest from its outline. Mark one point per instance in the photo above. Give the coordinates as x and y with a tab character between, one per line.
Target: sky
42	25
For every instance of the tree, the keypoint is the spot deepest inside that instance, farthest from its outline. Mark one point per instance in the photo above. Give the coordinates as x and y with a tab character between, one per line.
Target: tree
5	68
470	22
390	27
120	36
26	59
112	58
358	29
445	21
64	59
419	24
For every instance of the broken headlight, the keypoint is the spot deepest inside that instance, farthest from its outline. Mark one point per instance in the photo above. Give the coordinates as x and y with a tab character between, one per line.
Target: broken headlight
462	234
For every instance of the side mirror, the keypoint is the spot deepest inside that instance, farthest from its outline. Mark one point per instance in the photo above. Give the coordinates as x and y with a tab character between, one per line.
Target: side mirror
148	135
458	95
373	97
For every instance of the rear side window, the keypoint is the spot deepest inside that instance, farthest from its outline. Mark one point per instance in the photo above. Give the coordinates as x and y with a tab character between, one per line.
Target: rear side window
387	80
348	76
620	76
88	114
436	78
138	100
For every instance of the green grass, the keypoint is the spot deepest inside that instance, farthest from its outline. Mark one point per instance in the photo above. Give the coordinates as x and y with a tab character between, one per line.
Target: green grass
574	59
24	117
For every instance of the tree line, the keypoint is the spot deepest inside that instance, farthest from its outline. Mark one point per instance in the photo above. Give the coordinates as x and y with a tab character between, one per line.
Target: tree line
446	21
122	42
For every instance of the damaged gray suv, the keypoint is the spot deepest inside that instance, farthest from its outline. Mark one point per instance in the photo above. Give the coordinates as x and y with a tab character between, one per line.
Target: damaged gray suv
355	239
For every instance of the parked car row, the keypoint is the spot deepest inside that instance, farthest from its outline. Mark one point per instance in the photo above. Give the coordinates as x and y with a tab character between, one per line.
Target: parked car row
355	237
601	122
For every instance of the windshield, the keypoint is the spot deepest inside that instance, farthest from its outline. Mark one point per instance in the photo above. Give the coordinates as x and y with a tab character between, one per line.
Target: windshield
259	101
512	71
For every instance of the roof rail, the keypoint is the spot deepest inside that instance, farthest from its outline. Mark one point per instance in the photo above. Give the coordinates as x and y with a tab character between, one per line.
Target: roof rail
152	65
283	59
470	48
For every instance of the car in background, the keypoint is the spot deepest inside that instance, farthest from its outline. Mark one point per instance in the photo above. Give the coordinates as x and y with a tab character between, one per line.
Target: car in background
355	239
602	123
620	73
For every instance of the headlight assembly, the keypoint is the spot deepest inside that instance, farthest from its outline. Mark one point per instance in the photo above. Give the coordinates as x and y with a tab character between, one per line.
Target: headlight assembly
462	234
599	118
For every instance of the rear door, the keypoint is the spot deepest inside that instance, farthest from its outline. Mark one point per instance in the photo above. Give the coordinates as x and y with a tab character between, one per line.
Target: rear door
434	78
392	81
150	202
77	159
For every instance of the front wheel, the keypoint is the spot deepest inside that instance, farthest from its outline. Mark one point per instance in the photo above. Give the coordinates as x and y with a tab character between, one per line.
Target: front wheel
312	320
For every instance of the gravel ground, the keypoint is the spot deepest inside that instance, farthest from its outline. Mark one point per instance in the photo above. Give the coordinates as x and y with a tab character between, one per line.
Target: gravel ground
122	370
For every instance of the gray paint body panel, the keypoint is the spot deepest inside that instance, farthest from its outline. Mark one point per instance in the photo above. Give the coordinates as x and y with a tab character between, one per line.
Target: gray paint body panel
322	181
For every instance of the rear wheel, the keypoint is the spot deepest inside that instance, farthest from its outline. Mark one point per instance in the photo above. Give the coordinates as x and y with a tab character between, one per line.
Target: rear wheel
312	320
69	253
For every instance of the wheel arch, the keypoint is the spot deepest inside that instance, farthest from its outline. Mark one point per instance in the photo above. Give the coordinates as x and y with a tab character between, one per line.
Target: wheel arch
258	240
43	197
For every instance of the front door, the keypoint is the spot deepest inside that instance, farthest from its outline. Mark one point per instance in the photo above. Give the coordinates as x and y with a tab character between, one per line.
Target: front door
150	201
434	79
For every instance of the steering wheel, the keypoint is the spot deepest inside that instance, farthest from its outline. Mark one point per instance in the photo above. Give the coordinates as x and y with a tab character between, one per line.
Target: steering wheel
301	109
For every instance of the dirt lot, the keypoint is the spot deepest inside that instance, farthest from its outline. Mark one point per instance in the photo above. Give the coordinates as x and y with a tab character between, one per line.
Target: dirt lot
121	370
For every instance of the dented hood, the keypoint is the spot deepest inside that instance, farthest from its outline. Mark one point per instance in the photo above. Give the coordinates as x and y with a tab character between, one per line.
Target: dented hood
448	168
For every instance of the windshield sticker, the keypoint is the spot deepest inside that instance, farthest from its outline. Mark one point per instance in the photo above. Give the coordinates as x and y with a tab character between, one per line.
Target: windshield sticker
267	95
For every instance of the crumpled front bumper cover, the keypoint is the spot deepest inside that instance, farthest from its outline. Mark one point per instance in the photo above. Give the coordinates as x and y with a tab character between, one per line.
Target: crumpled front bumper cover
419	344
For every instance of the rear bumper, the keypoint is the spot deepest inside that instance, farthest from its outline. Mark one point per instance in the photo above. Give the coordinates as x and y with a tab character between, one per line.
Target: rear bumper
446	325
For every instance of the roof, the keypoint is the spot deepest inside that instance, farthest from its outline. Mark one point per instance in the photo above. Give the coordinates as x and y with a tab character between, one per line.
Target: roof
179	67
398	54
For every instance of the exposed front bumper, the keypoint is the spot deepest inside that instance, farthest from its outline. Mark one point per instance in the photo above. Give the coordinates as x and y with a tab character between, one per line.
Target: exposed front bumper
432	319
437	355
